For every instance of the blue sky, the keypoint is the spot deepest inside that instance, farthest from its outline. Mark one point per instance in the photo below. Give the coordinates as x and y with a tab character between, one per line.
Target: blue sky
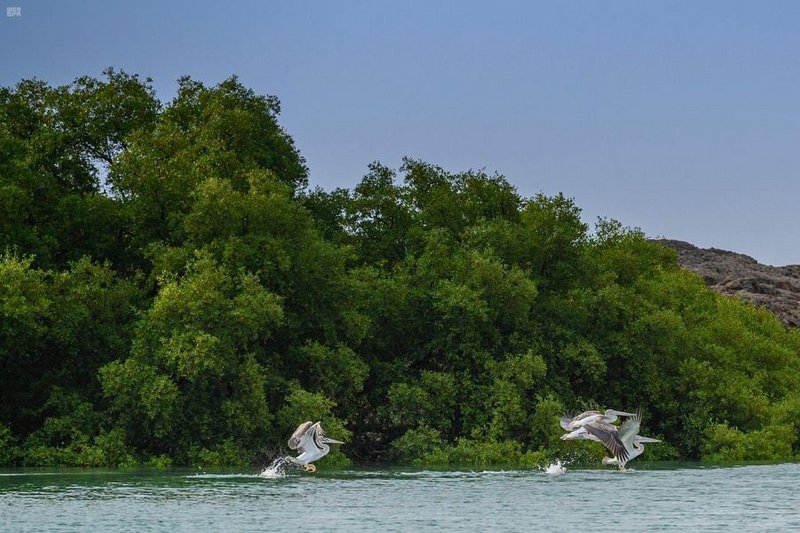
681	118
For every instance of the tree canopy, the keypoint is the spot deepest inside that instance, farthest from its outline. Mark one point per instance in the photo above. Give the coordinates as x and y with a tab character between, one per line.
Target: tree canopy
172	292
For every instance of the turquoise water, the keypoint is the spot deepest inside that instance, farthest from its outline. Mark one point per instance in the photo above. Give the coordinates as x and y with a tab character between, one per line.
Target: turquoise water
650	498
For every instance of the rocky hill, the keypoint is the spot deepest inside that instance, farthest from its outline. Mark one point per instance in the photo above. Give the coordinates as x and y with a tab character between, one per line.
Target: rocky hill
776	288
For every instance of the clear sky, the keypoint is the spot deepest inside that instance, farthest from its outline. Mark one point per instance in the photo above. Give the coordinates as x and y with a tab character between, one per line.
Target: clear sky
682	118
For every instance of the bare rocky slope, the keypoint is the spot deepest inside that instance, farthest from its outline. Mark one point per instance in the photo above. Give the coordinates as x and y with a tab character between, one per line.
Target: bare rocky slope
775	288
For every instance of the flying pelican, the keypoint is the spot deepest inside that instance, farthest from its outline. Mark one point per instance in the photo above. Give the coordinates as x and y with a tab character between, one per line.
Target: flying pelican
624	442
311	441
570	423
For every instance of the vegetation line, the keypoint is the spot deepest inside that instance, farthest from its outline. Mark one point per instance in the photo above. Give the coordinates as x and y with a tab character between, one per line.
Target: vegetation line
173	293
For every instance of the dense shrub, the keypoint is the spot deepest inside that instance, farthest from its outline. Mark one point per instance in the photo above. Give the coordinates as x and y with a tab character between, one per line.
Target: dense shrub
172	293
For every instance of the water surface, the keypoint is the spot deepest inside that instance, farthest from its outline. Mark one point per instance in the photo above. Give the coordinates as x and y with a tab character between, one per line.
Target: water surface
650	498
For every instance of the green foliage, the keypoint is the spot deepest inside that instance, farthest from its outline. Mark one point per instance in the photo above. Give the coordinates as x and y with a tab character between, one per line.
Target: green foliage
56	330
192	379
545	423
171	293
336	372
57	144
8	448
159	462
227	453
73	434
517	377
771	443
430	403
480	454
423	446
416	444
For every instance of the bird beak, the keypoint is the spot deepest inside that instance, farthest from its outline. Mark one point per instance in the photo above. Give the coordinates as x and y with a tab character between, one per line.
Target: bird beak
332	441
646	439
619	413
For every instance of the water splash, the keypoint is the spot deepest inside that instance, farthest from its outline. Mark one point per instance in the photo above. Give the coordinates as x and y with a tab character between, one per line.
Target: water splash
278	468
556	469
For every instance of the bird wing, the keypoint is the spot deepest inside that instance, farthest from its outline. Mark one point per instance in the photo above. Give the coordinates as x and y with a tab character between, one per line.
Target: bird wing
566	418
579	434
586	414
608	435
296	439
309	441
583	418
630	428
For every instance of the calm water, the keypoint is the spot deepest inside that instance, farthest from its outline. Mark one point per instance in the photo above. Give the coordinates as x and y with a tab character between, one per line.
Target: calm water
665	498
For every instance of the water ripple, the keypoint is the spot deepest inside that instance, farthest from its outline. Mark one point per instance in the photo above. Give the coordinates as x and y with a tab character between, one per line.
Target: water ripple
756	497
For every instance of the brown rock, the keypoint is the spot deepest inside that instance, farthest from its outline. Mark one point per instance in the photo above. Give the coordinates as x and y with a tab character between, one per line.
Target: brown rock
775	288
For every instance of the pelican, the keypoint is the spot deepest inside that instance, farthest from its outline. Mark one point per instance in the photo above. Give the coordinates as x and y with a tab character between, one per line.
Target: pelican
311	441
570	423
624	442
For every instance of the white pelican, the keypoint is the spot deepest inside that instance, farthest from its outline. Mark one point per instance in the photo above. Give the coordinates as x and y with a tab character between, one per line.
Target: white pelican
624	442
311	441
570	423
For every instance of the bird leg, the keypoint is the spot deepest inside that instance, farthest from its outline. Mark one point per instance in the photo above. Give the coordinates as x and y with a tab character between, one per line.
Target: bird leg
310	468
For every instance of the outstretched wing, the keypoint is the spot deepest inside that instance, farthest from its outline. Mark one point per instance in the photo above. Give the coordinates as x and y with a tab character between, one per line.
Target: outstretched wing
608	435
630	428
297	437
